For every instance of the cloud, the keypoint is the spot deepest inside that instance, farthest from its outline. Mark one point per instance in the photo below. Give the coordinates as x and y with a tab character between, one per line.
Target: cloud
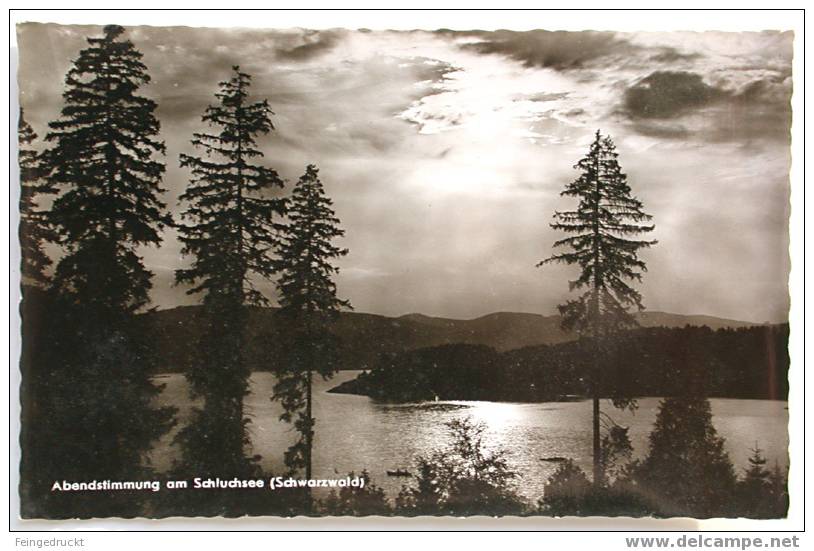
559	50
675	105
666	94
542	96
311	44
445	152
661	129
672	55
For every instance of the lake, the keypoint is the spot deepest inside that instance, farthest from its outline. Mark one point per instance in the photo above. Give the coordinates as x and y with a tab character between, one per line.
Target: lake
355	433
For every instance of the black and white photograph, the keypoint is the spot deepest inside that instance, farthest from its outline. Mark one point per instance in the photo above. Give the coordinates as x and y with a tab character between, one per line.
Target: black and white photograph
352	272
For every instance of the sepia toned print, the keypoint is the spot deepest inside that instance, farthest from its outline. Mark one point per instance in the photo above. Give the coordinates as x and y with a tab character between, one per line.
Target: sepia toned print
349	272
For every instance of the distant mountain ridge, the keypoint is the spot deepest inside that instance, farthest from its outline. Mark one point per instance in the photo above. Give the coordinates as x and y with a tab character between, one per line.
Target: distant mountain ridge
366	336
510	330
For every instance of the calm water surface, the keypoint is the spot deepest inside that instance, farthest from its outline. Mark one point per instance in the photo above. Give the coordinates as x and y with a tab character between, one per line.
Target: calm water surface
355	433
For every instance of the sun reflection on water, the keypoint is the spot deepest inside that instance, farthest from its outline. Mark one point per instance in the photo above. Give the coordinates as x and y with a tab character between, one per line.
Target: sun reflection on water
497	416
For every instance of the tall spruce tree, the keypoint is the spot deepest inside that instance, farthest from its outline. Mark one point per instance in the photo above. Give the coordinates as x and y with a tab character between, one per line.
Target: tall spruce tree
33	229
92	383
230	234
602	243
309	305
102	161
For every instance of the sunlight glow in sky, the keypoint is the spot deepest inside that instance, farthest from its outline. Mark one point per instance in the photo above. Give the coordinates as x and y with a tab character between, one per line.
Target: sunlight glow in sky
445	152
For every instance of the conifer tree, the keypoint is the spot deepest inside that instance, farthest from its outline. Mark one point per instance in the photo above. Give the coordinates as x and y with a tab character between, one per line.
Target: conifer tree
94	392
33	230
757	473
687	471
230	235
309	305
756	495
601	242
102	162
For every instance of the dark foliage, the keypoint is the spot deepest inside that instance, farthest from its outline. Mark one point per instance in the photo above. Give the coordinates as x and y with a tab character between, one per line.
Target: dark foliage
231	229
230	234
88	412
33	230
569	492
86	365
449	372
463	479
762	493
101	163
357	502
601	242
687	471
615	448
308	308
749	362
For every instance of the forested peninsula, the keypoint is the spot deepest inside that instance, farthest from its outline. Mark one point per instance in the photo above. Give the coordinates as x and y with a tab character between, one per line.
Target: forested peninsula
748	362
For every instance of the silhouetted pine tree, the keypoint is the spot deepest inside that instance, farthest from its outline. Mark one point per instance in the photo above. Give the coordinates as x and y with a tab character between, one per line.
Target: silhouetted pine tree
757	472
687	471
102	161
309	305
601	243
33	230
760	491
230	236
92	390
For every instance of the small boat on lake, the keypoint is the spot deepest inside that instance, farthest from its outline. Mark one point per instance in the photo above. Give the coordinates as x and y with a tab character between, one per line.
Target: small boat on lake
554	459
399	472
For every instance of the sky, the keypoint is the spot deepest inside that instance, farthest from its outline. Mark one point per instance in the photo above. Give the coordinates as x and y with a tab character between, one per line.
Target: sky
445	152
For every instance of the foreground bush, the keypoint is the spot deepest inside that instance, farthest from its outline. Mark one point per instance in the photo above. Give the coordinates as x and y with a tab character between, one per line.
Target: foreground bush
462	479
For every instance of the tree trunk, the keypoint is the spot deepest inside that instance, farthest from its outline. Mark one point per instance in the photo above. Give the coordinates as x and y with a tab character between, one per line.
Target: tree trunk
595	322
598	475
309	434
309	441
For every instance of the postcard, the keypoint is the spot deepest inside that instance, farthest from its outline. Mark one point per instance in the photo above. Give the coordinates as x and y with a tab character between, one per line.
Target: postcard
282	272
